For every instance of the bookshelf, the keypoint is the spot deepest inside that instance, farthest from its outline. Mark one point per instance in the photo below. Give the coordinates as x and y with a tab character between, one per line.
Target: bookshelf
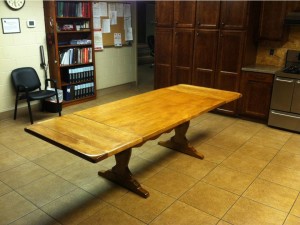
71	55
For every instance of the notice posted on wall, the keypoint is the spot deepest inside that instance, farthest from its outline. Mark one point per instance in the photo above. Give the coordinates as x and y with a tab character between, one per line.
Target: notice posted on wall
117	39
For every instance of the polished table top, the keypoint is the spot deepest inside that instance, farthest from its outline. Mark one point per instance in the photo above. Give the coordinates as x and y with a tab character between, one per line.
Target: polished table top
105	130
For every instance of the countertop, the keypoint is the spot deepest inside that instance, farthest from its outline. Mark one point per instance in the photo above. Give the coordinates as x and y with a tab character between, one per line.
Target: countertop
259	68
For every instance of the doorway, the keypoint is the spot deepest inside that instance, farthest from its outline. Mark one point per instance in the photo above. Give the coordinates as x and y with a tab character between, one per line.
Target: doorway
145	54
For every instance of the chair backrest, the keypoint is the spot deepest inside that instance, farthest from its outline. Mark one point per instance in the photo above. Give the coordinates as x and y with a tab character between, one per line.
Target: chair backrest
25	76
150	40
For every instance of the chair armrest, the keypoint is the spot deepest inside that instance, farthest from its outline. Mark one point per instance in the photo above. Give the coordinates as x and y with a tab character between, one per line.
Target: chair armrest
52	81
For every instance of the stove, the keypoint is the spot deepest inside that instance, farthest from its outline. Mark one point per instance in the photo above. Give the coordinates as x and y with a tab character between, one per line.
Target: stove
285	102
292	69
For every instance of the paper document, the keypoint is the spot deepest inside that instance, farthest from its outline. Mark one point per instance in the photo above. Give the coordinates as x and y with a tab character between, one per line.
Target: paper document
118	39
128	34
98	40
106	25
97	23
120	9
103	9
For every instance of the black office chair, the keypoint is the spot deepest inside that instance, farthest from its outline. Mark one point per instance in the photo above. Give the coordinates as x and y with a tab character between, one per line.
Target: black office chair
28	86
151	44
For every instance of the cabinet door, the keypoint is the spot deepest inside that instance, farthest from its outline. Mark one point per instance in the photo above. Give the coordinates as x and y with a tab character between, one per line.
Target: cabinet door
183	55
295	108
163	57
256	89
205	56
230	55
282	94
271	21
184	13
234	14
164	13
207	15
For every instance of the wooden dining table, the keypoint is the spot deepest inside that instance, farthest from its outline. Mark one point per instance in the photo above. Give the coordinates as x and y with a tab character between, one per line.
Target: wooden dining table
115	128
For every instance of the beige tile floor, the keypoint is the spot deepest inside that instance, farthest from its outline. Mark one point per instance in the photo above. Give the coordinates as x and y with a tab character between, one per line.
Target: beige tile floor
250	175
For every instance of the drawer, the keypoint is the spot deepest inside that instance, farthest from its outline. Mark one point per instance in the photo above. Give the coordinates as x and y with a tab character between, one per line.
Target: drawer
262	77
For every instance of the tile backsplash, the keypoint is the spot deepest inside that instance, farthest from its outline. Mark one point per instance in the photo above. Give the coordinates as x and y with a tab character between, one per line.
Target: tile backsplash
278	58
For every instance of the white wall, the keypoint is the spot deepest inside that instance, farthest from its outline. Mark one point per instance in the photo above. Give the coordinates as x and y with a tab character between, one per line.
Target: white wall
113	66
20	49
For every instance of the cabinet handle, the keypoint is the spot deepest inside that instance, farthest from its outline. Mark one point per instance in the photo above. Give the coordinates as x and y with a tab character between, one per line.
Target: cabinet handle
198	23
197	33
284	80
286	115
55	61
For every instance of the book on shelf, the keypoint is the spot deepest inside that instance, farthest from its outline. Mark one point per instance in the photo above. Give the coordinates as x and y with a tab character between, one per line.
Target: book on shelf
76	56
73	9
72	92
79	74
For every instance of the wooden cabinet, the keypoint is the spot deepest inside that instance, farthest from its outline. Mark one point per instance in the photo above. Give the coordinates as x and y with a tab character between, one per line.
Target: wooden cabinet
208	14
256	89
205	57
234	14
164	13
222	14
211	41
70	49
174	50
184	14
183	56
163	57
272	21
175	14
230	53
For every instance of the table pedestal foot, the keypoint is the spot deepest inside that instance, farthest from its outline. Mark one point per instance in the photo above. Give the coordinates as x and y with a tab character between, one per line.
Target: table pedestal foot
121	174
180	143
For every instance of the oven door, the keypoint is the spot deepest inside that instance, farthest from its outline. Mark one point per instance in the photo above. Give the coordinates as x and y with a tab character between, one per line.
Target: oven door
295	108
282	94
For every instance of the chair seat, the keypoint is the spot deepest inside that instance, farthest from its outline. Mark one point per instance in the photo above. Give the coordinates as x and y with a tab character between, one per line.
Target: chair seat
38	95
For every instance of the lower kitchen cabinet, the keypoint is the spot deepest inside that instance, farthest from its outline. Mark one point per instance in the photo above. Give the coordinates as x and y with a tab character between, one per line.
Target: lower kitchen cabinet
256	89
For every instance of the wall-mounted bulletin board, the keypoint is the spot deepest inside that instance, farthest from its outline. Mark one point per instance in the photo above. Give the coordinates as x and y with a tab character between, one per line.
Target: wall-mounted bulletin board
111	24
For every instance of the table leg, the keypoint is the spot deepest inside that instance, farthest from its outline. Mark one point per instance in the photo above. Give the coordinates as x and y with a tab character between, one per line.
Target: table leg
121	174
180	143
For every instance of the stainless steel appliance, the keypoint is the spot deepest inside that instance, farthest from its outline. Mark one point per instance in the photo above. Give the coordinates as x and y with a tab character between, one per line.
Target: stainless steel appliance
285	102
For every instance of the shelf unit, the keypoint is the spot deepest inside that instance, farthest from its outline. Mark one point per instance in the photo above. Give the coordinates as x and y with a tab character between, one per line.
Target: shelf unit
71	64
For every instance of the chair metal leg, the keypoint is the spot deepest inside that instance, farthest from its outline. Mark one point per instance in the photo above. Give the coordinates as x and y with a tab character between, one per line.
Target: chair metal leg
57	105
16	106
29	110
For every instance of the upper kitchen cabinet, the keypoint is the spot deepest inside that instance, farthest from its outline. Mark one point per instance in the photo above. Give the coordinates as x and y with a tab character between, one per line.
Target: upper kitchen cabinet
234	14
208	14
164	13
184	14
272	21
180	14
222	14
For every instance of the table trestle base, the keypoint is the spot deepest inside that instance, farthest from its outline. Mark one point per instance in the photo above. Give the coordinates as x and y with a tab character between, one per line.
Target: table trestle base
120	174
